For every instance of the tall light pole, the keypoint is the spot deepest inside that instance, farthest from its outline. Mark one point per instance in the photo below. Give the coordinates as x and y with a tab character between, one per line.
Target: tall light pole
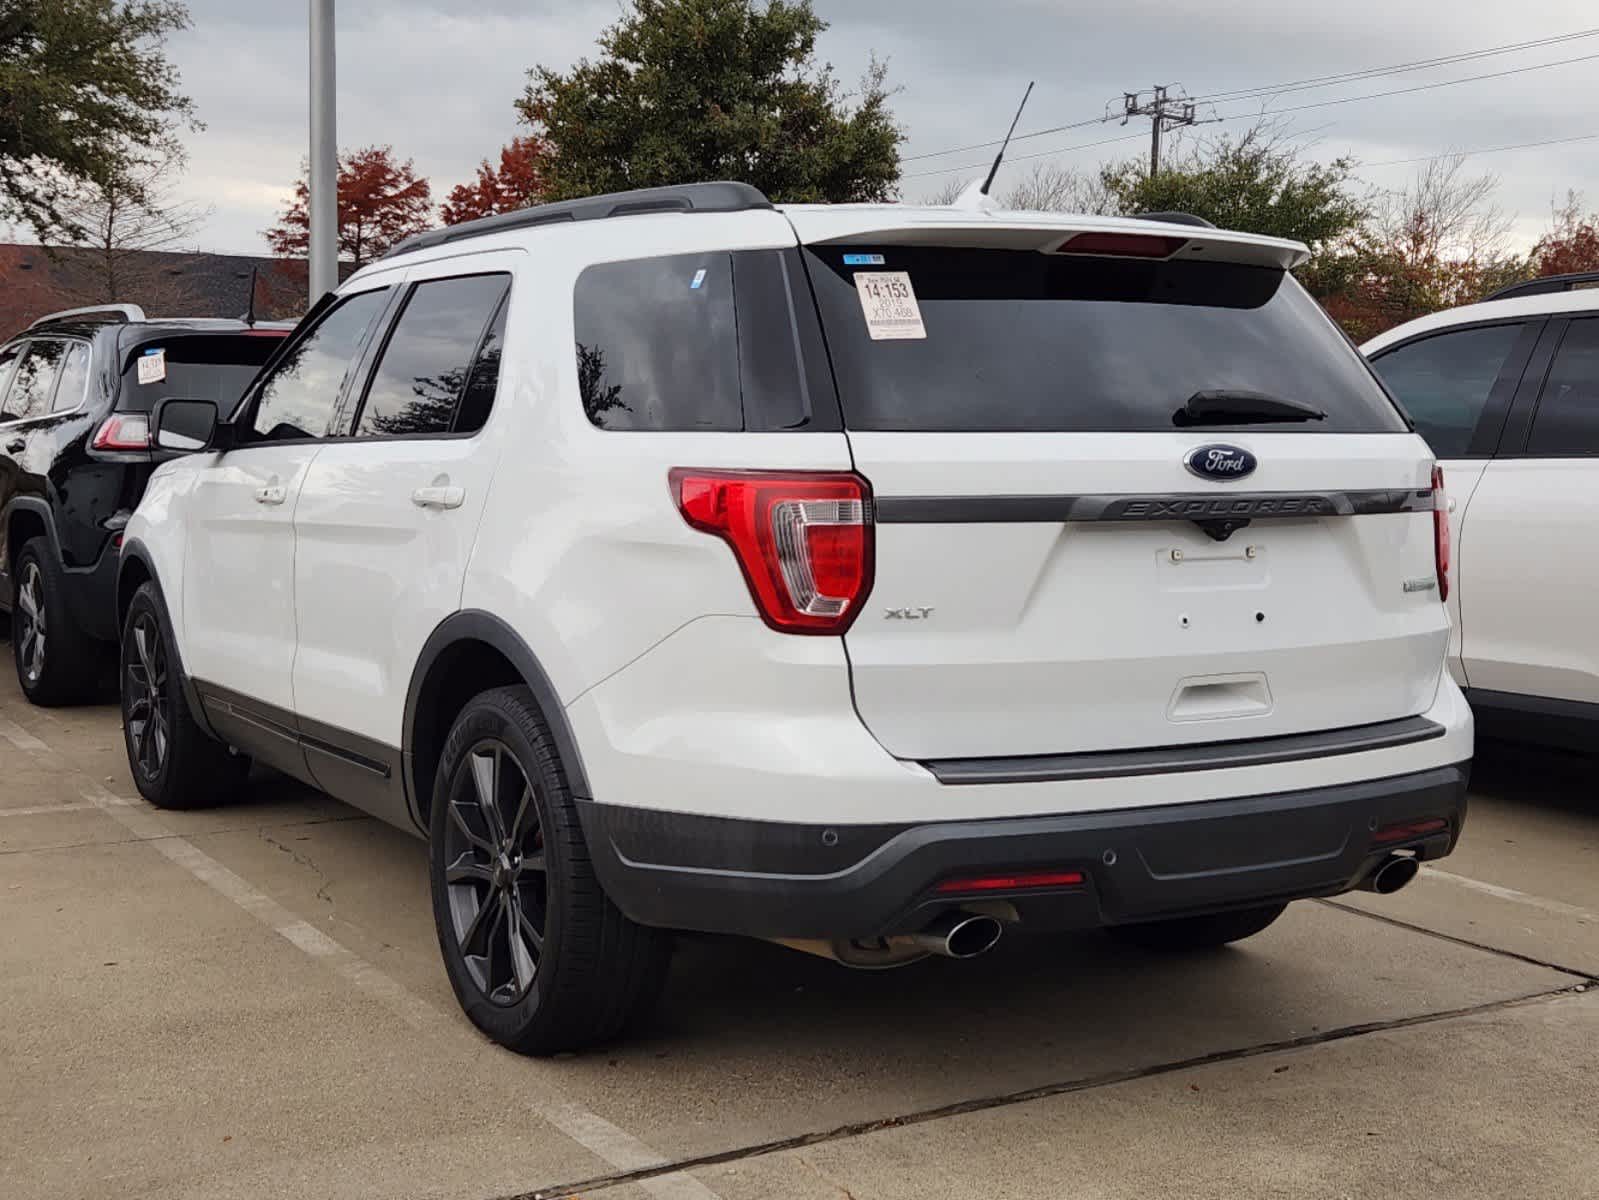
324	249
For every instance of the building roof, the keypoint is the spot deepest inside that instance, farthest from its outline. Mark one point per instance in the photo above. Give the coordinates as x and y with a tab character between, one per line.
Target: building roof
35	280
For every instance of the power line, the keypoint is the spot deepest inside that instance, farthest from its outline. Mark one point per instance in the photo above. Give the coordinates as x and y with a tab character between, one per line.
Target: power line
1420	64
1395	162
1420	87
1126	137
1319	81
1019	137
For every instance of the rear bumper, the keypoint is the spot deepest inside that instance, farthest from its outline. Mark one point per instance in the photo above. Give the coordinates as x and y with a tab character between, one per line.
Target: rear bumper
777	879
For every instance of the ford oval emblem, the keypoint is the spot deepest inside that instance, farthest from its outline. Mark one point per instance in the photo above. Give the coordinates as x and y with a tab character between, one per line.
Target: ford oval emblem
1220	461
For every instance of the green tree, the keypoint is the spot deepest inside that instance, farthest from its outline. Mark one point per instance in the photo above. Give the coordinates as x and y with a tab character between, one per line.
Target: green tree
690	90
86	96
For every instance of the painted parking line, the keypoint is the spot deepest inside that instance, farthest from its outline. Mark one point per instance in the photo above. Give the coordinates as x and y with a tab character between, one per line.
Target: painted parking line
594	1133
1557	907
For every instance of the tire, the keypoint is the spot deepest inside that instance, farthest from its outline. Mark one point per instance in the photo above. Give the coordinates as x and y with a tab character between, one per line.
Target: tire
175	764
1198	933
580	972
56	662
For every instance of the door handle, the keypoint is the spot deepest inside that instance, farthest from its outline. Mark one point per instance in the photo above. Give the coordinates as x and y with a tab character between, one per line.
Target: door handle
438	497
272	493
16	446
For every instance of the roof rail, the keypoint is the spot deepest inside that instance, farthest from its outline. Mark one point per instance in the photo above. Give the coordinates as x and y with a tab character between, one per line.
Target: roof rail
1548	285
687	197
1175	218
105	313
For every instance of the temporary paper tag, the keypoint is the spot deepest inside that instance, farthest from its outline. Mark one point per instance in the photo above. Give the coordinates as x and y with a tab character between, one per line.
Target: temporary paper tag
889	303
152	366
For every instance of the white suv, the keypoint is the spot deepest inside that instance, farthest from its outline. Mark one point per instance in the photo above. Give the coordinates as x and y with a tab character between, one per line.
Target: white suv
862	578
1507	394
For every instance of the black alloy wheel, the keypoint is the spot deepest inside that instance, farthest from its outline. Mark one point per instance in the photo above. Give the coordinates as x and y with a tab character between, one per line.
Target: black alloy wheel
495	873
146	700
31	626
538	956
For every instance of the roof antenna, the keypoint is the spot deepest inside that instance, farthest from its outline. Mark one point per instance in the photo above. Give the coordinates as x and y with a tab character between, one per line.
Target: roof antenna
974	194
249	312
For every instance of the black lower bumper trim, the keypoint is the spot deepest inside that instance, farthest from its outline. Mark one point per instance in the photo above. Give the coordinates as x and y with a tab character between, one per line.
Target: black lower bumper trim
776	879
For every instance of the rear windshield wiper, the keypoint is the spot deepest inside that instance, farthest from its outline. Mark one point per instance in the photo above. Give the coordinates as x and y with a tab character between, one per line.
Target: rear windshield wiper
1234	406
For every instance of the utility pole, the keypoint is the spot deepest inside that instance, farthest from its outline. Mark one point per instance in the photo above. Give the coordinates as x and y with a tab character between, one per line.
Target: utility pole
1165	112
323	252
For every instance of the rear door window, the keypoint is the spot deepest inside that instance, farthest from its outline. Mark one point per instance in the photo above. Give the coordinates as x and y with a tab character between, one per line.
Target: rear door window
1019	341
484	380
35	379
425	367
8	366
298	398
1567	419
1444	381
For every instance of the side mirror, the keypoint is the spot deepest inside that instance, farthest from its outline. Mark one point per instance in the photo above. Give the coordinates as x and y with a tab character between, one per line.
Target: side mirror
184	425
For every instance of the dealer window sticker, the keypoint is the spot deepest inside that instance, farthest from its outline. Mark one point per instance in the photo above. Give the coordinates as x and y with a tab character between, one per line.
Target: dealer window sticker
889	304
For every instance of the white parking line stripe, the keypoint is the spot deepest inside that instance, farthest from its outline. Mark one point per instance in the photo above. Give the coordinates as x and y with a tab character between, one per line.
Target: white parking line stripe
1558	907
588	1129
44	810
20	737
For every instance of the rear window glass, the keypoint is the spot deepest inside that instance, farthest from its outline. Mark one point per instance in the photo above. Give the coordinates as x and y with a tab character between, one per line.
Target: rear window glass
213	366
1015	340
718	341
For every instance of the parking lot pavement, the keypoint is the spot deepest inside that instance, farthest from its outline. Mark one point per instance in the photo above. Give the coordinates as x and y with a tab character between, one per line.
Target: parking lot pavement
248	1001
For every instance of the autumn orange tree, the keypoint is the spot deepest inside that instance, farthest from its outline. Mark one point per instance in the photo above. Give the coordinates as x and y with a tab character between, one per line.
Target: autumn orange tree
1572	244
381	201
516	183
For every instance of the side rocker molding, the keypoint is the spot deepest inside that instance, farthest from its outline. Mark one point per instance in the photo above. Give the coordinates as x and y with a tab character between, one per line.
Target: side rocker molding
474	625
135	549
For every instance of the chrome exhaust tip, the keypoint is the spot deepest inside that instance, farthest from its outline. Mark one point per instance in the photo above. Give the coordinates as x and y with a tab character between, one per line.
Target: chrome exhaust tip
960	935
1393	873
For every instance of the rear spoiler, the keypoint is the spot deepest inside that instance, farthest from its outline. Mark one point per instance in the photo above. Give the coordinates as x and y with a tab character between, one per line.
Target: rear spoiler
883	225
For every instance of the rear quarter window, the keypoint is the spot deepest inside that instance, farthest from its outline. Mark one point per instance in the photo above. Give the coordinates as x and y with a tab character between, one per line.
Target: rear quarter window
702	342
1019	341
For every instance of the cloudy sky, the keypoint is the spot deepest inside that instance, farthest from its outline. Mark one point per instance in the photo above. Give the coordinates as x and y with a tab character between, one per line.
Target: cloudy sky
437	80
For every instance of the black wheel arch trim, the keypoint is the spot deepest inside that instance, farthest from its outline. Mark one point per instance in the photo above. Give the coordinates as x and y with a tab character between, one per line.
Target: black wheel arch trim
134	550
40	507
475	625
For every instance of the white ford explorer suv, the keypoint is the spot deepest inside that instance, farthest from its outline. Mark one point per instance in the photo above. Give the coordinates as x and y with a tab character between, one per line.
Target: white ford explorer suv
868	579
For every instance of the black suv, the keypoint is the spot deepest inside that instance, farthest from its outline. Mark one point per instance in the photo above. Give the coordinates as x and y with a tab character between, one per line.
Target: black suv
76	390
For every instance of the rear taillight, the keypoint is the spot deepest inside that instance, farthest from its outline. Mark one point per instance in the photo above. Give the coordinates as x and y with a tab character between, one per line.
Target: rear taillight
123	431
1440	531
802	539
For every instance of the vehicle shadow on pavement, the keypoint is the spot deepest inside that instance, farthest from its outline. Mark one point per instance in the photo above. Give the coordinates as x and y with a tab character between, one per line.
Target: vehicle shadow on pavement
1559	780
